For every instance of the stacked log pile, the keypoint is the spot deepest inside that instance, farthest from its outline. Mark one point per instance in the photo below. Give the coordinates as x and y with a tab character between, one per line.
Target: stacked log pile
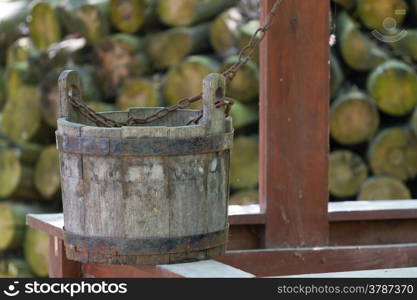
139	53
373	113
129	53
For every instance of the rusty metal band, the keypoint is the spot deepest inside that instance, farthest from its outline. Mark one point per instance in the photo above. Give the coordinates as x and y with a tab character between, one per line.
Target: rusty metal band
144	146
144	246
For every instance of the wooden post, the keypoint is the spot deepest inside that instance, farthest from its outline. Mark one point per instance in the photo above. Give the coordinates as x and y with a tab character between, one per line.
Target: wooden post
59	265
294	124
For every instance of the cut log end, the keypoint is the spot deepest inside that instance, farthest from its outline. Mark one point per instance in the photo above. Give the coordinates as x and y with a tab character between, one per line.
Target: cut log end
246	33
225	32
169	47
22	119
7	227
44	25
47	175
118	58
347	172
393	85
36	249
245	85
10	172
13	224
336	75
393	152
188	12
130	15
14	268
138	93
244	167
244	114
358	51
380	14
185	79
245	197
384	188
354	118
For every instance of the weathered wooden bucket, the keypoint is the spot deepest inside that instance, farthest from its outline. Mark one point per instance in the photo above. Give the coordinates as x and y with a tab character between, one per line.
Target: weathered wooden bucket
155	194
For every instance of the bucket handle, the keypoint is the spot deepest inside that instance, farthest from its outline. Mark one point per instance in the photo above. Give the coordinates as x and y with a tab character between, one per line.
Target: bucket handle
69	84
214	89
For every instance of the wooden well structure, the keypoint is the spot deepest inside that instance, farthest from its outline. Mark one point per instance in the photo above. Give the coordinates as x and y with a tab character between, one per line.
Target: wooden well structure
294	230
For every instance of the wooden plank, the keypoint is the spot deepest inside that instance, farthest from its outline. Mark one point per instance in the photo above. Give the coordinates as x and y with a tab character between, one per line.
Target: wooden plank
245	237
113	271
59	265
293	261
248	235
337	211
294	124
374	232
284	261
386	273
103	189
72	184
372	210
250	219
206	269
52	224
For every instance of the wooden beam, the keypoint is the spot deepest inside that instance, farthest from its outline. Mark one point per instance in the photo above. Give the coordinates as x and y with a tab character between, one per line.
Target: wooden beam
373	232
372	210
293	261
114	271
245	237
294	124
59	265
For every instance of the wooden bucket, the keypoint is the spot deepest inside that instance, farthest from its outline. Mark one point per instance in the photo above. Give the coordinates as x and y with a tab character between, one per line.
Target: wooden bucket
155	194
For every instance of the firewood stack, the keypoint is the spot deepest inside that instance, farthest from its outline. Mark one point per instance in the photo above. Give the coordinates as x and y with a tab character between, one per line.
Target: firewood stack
144	53
129	53
373	116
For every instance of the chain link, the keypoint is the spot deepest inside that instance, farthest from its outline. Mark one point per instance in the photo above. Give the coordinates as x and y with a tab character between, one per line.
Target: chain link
245	55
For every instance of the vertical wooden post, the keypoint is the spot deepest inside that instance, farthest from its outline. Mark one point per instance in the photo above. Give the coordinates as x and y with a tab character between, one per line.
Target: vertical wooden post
294	124
59	265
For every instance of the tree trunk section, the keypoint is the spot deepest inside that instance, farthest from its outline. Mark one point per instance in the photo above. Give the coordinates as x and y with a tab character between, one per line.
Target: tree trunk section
44	25
375	13
225	32
86	17
245	197
130	16
13	224
16	178
358	51
393	85
336	75
245	85
188	12
138	92
393	152
14	268
169	47
119	57
354	118
347	173
244	166
246	33
184	80
384	188
47	176
36	250
244	114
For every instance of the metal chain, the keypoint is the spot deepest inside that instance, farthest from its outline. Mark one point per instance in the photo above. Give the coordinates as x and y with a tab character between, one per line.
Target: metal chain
245	55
